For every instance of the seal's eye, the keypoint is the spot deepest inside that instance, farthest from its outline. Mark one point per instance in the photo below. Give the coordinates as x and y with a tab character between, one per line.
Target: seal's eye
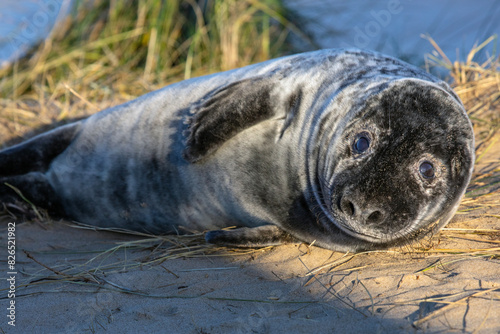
426	169
361	144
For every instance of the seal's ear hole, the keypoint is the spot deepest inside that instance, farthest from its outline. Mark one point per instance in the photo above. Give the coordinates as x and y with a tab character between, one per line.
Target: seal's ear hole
456	166
223	113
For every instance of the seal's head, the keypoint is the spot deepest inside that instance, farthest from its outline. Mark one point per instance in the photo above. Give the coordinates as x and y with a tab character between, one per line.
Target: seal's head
400	165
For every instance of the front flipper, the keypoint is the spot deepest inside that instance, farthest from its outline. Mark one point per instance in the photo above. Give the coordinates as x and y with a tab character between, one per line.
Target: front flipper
261	236
225	112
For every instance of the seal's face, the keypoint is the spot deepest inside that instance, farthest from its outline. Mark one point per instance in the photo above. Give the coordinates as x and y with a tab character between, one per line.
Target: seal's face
401	166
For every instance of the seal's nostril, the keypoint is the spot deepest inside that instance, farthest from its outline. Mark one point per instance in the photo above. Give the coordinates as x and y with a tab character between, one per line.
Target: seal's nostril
375	217
351	210
347	207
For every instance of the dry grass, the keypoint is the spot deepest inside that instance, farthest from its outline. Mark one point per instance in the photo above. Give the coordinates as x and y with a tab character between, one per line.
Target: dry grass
478	86
113	51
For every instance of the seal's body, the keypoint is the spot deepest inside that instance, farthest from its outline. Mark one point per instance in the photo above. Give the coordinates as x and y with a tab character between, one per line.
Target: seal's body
351	149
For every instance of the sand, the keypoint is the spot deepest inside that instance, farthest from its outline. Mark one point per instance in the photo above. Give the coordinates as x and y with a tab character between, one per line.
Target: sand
74	280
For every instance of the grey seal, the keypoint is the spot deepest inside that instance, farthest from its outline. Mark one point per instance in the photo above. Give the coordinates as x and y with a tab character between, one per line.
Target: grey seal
348	149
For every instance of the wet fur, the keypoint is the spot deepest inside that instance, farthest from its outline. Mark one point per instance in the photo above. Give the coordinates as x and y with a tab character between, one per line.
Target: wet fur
267	148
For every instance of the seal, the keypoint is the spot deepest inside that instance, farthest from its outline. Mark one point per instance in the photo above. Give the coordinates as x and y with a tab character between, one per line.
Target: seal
352	150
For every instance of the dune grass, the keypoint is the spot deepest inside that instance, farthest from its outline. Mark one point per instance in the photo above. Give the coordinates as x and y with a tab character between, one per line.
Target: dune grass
478	86
109	52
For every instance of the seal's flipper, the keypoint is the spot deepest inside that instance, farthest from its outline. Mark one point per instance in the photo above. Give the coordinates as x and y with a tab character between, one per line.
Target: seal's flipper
261	236
37	153
34	187
225	112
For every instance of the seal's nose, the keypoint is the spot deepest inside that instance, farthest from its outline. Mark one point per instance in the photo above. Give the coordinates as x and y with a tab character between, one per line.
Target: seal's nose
364	214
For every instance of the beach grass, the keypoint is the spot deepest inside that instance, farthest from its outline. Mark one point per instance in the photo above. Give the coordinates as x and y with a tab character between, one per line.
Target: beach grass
108	52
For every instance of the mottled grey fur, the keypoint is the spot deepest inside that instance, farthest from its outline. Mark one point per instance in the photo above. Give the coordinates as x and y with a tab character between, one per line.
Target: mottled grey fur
267	148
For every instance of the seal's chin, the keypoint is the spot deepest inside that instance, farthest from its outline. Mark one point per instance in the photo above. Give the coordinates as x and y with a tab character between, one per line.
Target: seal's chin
372	234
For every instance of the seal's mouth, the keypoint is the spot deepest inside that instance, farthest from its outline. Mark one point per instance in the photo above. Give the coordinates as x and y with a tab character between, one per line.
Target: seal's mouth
370	221
376	222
